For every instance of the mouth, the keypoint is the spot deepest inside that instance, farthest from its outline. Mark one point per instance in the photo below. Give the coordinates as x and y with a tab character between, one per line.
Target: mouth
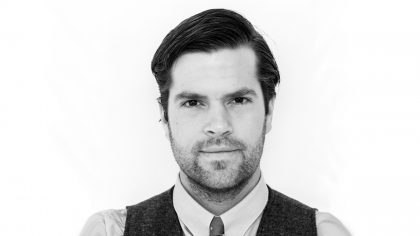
220	150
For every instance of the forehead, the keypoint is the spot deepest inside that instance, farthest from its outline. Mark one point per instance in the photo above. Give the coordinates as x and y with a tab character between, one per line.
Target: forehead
217	71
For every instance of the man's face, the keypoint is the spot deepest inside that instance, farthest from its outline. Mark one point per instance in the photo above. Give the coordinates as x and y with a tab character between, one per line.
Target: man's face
217	121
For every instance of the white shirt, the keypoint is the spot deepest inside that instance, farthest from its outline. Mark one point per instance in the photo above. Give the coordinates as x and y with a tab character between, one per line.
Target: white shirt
241	220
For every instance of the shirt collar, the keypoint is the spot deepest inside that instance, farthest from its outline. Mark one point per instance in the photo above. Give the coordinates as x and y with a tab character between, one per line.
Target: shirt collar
237	220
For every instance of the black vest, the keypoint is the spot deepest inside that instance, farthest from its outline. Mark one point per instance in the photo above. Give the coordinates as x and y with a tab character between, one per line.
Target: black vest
282	216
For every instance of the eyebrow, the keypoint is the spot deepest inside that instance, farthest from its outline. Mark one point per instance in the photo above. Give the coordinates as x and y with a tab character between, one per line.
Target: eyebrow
240	93
195	96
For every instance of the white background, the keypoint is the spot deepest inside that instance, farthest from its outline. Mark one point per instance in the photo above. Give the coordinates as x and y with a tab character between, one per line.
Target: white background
79	129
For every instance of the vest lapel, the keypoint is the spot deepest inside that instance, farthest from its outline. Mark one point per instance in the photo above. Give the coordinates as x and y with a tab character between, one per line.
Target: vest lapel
284	216
153	217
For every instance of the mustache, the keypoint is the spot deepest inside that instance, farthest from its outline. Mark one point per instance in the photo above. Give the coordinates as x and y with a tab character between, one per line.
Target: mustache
225	142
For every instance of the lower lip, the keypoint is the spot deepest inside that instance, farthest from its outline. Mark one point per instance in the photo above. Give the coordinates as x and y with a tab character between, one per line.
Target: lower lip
226	153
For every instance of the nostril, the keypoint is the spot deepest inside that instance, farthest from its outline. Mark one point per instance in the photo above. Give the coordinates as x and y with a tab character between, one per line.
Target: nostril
218	125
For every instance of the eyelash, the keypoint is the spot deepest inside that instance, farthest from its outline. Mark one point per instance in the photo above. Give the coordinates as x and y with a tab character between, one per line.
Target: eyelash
185	104
245	101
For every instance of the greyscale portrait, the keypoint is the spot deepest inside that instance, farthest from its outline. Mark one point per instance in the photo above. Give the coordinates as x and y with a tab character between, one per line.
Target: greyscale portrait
217	80
185	117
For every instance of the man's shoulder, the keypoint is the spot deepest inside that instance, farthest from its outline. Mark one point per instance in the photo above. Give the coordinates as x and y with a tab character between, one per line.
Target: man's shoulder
155	215
328	225
285	202
105	223
153	203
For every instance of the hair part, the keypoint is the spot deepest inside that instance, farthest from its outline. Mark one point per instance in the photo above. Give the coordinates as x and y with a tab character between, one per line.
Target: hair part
208	31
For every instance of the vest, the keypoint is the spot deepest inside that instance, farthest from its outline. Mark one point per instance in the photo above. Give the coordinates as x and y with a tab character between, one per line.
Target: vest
282	216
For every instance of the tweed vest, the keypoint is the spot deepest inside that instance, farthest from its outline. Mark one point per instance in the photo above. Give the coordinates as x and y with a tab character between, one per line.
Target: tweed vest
281	216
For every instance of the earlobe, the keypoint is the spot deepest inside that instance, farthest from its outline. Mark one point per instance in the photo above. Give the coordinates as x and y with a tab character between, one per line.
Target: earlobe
163	120
269	116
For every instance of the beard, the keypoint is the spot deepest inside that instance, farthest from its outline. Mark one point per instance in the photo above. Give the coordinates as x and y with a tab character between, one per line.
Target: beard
219	176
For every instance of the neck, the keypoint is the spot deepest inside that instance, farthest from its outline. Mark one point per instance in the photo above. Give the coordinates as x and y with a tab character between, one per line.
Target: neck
218	202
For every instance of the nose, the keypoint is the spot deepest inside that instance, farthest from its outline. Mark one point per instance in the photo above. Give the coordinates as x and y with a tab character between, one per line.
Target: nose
218	123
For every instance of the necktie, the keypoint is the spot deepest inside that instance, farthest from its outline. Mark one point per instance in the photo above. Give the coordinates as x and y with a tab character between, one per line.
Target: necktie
216	227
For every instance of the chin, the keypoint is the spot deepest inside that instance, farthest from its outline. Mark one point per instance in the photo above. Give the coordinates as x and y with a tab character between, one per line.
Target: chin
222	180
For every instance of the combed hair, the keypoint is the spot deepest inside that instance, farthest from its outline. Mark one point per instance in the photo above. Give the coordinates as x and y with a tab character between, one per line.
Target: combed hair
208	31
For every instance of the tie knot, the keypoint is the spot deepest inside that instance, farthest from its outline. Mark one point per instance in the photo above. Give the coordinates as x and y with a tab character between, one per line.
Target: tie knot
216	226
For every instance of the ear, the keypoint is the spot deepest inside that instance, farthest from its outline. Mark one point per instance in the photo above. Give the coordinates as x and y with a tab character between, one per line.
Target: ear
164	122
269	116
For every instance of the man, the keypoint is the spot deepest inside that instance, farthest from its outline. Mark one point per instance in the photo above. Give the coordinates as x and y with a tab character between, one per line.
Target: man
217	79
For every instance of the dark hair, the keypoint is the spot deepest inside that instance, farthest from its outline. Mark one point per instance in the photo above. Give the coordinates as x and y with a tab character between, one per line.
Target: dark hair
208	31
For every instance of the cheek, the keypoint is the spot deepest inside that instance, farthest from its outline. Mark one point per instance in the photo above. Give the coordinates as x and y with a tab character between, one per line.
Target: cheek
184	129
249	128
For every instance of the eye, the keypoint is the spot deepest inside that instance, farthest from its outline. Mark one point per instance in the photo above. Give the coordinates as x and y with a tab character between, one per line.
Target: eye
241	100
191	103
